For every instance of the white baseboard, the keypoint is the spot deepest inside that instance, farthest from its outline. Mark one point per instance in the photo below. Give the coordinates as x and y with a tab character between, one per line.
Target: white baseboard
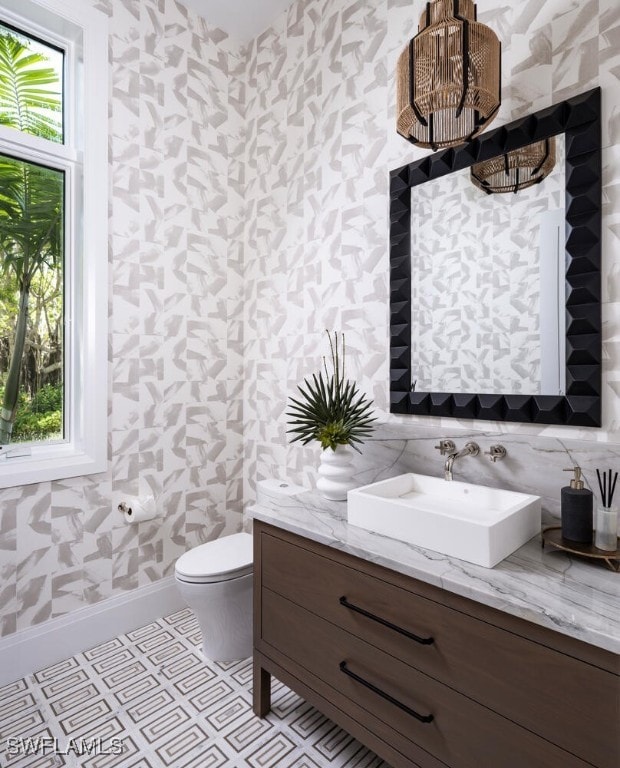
37	647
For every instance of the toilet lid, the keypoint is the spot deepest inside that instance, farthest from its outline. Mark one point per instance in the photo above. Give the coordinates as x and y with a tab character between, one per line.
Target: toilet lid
225	558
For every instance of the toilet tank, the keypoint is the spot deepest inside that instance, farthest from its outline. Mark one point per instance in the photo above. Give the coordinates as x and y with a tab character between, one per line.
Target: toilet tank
276	489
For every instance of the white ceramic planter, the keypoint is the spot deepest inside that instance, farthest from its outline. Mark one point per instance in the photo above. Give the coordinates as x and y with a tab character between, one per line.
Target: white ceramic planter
336	473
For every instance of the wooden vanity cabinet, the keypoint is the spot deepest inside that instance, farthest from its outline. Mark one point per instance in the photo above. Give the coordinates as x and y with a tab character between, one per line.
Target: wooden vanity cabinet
422	676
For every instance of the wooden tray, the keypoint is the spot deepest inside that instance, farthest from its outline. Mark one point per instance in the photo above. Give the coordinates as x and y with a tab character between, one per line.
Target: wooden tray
552	536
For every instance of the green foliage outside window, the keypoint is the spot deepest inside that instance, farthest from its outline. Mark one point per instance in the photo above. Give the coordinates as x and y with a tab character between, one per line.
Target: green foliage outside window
38	418
31	248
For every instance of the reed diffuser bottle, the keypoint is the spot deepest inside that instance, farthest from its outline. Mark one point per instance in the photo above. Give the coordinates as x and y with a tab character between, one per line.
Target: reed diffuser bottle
606	524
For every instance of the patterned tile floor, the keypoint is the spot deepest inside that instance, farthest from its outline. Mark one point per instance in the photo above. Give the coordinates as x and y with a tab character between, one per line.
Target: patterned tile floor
148	699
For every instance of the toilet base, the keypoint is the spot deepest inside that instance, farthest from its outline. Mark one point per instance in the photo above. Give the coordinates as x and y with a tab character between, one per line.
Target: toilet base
224	612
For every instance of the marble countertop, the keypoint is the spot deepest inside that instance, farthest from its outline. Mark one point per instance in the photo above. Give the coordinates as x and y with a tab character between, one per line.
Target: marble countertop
571	596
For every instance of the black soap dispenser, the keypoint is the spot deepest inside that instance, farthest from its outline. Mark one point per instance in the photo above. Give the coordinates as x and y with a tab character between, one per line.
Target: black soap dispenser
576	510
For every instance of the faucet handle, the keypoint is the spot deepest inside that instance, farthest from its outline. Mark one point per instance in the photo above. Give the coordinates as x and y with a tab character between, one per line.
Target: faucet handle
445	446
496	453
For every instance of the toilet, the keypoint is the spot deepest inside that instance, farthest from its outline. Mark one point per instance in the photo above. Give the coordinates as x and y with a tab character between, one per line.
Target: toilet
215	580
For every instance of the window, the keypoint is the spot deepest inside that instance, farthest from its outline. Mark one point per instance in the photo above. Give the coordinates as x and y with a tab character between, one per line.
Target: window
53	240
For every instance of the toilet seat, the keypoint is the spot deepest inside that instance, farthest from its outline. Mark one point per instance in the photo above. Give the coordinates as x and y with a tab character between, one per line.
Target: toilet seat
220	560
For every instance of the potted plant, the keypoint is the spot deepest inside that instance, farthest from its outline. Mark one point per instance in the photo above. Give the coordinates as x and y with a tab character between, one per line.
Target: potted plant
332	411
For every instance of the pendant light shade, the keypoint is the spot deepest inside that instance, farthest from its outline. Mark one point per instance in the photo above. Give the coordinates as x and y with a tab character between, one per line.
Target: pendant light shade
518	169
448	79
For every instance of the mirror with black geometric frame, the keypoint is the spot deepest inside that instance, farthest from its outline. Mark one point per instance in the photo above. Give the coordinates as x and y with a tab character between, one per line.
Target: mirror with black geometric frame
488	322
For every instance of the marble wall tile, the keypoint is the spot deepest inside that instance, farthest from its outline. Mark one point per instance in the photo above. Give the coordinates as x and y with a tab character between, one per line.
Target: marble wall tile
531	466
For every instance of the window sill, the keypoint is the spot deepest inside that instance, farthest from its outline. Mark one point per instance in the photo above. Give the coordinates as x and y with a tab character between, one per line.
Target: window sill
53	463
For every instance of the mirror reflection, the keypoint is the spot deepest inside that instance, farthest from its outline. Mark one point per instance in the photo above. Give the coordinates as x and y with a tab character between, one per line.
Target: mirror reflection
488	285
515	170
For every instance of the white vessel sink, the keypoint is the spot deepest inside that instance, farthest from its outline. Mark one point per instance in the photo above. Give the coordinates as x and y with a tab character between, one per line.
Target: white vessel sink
472	522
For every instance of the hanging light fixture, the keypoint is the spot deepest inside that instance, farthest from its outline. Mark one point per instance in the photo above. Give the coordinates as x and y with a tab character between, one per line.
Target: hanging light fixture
448	79
517	169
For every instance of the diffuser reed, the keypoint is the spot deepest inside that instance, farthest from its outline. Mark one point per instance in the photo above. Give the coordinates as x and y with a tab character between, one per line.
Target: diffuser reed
606	527
607	486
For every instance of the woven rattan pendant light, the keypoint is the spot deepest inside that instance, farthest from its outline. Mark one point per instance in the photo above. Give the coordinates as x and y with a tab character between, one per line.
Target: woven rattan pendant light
448	79
518	169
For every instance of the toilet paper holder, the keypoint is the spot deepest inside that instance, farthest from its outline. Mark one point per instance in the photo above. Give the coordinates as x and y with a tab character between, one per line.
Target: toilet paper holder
138	509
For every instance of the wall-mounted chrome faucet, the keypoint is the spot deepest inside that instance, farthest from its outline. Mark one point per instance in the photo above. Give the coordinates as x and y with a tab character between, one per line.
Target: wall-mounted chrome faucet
470	449
495	453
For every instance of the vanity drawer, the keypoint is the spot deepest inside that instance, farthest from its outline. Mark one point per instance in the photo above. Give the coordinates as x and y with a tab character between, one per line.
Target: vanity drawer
493	666
460	732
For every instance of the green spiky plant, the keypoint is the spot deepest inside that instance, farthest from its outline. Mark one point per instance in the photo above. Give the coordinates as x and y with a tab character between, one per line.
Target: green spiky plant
331	408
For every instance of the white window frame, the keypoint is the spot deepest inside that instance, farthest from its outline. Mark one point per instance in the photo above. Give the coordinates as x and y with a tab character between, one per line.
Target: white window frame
83	34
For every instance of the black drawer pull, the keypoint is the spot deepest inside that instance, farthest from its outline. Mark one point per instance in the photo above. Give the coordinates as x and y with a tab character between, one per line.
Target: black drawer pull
357	609
386	696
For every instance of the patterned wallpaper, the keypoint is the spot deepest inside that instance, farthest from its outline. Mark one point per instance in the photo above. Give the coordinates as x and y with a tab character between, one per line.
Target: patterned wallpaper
175	343
248	214
320	118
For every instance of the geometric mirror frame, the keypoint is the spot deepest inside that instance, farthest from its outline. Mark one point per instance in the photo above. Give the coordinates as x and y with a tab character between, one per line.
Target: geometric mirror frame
579	119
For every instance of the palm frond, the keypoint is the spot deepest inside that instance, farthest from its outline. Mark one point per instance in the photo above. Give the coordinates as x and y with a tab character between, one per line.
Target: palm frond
330	408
